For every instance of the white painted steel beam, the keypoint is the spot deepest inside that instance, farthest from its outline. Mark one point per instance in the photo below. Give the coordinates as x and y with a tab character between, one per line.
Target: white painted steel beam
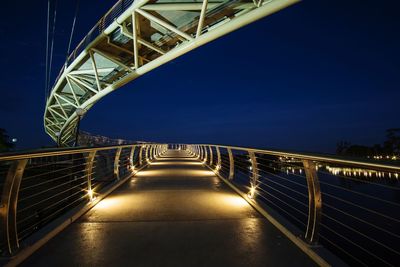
141	53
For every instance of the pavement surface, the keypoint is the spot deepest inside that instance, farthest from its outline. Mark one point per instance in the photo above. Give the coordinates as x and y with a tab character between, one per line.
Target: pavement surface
176	212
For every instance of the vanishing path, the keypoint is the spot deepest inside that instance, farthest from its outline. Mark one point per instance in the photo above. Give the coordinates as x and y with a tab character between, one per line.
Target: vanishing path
176	212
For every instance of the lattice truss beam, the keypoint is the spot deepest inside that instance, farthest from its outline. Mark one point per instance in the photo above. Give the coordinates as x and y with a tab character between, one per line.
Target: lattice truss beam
147	35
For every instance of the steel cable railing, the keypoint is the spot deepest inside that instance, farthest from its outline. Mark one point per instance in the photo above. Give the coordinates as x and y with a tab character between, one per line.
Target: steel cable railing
39	187
350	207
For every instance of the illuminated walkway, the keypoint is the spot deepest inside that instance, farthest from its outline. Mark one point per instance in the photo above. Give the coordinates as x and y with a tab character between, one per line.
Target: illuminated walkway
174	213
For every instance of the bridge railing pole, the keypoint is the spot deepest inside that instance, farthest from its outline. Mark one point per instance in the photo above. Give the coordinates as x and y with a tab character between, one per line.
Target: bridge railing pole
255	175
218	166
314	202
8	207
132	158
231	164
201	153
89	171
205	160
116	163
141	155
211	156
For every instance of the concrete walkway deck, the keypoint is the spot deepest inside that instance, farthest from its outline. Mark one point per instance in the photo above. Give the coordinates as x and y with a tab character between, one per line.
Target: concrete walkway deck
174	213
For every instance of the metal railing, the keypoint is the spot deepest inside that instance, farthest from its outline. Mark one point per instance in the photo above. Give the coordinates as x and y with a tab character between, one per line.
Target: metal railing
350	207
39	187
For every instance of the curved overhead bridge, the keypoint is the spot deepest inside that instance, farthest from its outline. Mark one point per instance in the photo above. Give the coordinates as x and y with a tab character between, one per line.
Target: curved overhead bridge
133	38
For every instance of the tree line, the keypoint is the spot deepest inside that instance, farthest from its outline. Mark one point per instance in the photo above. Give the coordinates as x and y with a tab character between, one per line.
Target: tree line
389	148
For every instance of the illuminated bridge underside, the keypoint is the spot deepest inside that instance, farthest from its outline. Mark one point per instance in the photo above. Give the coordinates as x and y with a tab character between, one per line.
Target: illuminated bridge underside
146	35
174	213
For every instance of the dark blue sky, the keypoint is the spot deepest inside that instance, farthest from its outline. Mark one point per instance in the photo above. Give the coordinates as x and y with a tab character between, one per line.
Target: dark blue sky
302	79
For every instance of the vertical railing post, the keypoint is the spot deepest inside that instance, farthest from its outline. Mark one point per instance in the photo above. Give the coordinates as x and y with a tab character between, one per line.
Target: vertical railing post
131	158
205	155
146	154
314	202
141	155
8	206
89	171
201	153
231	164
211	155
151	152
254	178
116	163
218	166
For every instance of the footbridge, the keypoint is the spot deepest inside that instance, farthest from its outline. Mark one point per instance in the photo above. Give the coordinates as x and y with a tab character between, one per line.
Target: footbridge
196	205
135	37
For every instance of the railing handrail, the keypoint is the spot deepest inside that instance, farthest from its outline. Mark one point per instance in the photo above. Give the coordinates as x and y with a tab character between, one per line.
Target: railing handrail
48	152
291	154
313	156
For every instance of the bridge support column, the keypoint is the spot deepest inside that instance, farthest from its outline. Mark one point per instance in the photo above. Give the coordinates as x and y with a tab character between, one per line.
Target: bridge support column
314	202
254	177
205	155
231	164
116	163
8	206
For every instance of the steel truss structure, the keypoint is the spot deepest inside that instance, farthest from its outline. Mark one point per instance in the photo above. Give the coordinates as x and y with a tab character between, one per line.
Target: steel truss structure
134	38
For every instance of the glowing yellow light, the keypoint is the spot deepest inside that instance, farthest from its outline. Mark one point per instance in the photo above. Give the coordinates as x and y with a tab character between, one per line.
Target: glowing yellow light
91	194
252	192
218	167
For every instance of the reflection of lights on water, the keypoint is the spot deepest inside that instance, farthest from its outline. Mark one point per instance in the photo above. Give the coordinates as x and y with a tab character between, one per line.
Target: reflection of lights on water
356	172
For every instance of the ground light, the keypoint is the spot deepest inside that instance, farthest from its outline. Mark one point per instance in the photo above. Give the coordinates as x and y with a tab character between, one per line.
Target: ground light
91	194
252	192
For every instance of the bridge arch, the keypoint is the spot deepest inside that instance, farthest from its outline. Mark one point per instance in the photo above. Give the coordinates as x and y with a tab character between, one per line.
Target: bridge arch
135	37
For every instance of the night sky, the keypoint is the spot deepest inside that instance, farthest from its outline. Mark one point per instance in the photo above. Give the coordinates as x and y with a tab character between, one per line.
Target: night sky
301	79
